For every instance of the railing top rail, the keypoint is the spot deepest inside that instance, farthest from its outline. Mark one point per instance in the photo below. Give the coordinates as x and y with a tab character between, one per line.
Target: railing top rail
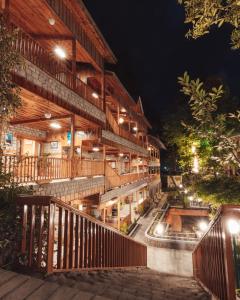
47	200
224	210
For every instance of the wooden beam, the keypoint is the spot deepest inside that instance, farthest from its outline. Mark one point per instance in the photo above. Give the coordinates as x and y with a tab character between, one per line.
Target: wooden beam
31	121
72	136
51	37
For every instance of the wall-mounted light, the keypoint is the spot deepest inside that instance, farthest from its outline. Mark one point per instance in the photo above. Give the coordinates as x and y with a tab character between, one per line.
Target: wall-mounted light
233	226
48	115
149	148
121	154
159	229
135	128
55	125
60	52
203	226
120	120
123	110
95	95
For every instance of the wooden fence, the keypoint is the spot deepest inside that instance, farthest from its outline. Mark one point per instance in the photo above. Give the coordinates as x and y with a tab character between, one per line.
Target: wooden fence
56	237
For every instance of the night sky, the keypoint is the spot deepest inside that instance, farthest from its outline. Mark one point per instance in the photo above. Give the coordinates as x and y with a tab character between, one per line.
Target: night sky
148	38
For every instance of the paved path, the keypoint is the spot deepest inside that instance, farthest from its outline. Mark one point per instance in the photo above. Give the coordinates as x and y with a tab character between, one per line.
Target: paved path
170	261
134	284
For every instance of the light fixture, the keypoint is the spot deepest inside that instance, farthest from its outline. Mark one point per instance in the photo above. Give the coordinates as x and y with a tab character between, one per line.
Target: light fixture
60	52
121	154
51	21
135	128
185	191
159	229
95	95
193	149
233	226
120	120
180	186
55	125
195	165
123	110
203	226
149	148
48	115
96	149
199	200
190	198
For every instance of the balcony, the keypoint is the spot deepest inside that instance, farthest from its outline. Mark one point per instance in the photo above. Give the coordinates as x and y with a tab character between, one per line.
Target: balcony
29	169
37	55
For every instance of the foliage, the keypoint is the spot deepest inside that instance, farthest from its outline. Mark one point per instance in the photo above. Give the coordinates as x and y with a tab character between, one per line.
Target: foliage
213	131
204	14
9	59
219	189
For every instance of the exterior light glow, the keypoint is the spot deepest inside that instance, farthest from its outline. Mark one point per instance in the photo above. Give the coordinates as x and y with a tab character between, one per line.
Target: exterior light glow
96	149
60	52
159	229
193	149
135	128
203	226
149	148
121	154
123	110
233	226
48	115
51	21
190	198
95	95
185	191
55	125
121	120
195	165
180	186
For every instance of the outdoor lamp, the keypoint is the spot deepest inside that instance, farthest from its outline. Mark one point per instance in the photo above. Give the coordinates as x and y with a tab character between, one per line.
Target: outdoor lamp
60	52
233	226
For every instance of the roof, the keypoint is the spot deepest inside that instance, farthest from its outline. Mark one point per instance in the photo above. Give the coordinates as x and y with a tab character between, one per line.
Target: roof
157	142
93	30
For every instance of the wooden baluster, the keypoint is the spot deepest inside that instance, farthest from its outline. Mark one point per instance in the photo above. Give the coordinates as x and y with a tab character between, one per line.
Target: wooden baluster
71	242
93	245
77	244
60	238
24	228
32	231
51	238
81	252
85	243
40	237
66	240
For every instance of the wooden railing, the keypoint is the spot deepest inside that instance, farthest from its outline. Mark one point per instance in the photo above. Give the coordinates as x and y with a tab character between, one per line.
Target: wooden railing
213	259
33	52
35	169
118	130
56	237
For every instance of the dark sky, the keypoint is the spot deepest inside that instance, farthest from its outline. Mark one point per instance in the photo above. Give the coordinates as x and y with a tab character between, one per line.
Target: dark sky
148	38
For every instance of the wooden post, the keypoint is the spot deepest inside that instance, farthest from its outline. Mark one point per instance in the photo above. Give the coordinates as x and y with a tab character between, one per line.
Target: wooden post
103	95
72	150
104	215
104	166
118	220
74	62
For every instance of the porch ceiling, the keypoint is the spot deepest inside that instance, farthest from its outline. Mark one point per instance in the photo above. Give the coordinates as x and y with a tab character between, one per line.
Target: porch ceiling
34	107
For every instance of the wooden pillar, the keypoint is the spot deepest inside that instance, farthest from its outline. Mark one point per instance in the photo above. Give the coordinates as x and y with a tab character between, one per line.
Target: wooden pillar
6	9
72	149
103	94
74	62
104	167
104	215
118	113
118	220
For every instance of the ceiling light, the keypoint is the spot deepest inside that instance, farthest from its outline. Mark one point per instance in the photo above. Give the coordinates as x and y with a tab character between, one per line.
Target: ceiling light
51	21
121	120
159	229
60	52
55	125
95	95
123	110
48	115
121	154
96	149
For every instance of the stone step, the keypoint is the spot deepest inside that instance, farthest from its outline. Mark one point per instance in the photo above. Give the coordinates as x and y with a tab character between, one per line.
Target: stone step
132	284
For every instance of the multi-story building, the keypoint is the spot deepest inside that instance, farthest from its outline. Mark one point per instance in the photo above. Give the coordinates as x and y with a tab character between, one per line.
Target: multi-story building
79	135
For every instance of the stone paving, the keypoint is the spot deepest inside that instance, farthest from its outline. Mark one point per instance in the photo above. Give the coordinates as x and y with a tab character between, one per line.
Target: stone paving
137	283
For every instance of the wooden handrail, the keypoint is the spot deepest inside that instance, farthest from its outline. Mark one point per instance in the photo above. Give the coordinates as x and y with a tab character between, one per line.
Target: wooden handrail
43	168
55	237
33	52
213	261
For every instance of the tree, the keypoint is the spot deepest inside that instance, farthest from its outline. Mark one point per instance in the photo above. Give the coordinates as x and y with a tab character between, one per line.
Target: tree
9	59
213	130
204	14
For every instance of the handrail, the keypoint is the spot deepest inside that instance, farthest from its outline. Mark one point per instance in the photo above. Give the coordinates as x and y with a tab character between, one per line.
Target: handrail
120	131
213	261
43	168
33	52
55	237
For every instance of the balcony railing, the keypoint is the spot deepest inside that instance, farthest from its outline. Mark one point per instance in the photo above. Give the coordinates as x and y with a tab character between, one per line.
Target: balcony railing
35	169
120	131
33	52
214	258
56	238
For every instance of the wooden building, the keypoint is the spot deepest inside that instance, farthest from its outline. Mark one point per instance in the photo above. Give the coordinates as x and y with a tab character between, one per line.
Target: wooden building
79	135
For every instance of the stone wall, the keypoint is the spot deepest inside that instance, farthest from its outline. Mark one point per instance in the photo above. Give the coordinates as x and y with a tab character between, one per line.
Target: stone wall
108	135
27	131
71	190
39	78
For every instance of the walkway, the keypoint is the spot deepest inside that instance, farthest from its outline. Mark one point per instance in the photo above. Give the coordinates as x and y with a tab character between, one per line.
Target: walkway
170	261
134	284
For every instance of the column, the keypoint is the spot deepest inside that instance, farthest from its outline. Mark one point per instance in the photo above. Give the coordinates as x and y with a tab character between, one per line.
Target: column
118	217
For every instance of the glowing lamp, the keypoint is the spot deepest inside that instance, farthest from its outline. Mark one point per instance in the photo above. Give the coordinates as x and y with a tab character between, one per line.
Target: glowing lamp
120	120
95	95
233	226
60	52
55	125
203	226
159	229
